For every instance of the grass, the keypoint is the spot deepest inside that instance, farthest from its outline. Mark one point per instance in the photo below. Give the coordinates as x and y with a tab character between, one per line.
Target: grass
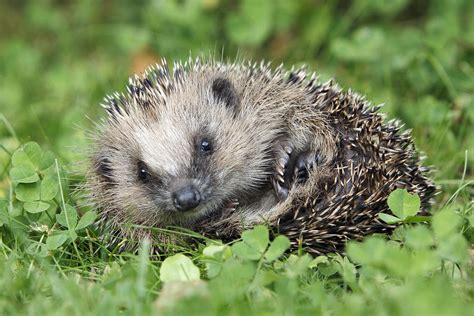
62	58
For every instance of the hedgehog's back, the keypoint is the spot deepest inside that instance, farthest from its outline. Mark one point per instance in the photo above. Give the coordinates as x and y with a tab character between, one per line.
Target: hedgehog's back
373	159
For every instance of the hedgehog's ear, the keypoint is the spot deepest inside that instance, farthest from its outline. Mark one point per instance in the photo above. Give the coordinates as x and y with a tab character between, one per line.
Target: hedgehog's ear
224	91
103	168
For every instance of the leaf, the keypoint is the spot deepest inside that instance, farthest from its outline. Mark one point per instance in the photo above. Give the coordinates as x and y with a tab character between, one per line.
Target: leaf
265	278
471	220
213	257
389	219
86	220
454	248
52	209
317	261
28	192
234	279
16	209
277	248
253	244
419	237
27	156
244	251
257	238
27	161
57	240
3	212
49	188
178	268
72	234
417	219
35	206
445	223
47	160
347	270
23	175
34	152
366	252
297	265
403	204
214	250
37	249
213	268
68	217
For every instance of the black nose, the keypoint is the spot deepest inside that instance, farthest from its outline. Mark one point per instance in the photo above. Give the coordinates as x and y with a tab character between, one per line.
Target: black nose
186	198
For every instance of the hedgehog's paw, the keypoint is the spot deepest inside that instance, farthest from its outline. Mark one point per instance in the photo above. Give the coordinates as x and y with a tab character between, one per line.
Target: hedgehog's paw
281	189
282	176
305	162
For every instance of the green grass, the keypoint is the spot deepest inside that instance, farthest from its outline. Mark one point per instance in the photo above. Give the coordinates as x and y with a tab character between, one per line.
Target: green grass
59	59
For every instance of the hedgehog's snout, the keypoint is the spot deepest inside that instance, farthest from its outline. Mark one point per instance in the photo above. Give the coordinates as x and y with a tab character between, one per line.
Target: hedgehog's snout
186	198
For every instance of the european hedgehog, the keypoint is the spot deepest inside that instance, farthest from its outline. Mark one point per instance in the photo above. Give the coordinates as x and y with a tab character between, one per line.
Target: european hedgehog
219	147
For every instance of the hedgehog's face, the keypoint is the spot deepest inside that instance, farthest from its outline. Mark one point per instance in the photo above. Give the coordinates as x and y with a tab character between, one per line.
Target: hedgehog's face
190	160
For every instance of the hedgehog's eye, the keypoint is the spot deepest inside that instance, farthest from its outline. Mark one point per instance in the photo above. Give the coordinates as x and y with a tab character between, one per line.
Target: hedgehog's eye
205	145
143	173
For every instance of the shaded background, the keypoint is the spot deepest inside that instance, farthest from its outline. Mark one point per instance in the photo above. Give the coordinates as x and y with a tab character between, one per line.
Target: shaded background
60	58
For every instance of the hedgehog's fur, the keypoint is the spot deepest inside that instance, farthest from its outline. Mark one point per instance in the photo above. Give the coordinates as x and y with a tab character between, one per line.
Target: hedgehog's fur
267	127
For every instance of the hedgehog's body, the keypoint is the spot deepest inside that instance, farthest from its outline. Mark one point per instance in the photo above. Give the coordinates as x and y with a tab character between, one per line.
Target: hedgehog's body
218	148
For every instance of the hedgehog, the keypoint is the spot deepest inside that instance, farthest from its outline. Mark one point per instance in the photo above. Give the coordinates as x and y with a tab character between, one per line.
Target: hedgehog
218	147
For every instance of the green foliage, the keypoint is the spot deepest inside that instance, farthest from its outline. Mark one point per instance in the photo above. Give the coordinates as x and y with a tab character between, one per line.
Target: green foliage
404	206
178	268
37	210
61	58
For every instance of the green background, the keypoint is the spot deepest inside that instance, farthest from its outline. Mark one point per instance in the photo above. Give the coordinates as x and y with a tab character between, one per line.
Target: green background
58	59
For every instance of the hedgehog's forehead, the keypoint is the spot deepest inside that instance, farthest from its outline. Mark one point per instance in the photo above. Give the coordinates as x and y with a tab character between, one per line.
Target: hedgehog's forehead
169	142
165	147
